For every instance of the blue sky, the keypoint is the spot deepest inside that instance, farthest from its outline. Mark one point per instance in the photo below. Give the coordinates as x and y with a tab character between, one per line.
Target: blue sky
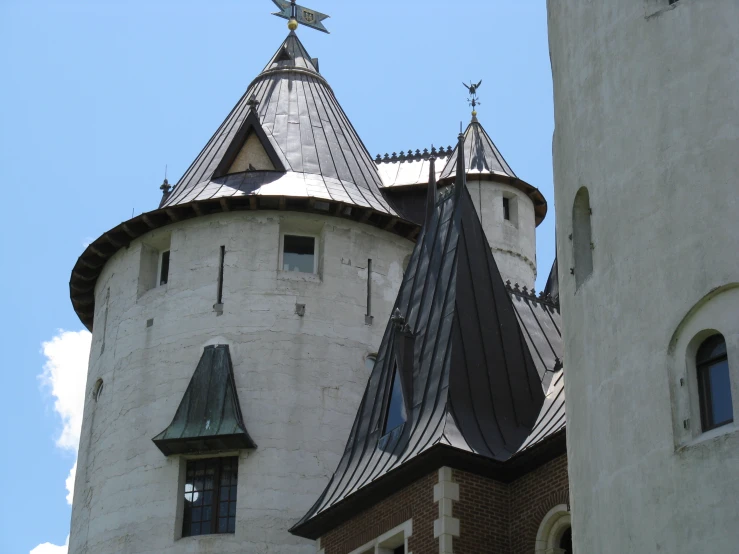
97	96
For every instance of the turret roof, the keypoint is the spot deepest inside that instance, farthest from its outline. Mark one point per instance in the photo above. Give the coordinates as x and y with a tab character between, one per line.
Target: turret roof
317	153
472	366
483	159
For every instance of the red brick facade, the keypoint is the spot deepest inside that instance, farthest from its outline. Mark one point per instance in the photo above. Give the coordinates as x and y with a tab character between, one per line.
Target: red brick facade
494	517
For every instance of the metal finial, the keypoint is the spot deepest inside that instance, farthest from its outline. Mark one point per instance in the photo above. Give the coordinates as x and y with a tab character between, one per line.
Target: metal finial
166	187
473	100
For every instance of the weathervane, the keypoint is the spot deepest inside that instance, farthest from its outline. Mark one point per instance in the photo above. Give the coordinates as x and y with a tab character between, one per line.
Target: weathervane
296	15
473	99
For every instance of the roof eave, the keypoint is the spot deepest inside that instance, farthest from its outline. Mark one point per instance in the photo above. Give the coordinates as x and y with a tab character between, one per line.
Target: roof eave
90	264
436	457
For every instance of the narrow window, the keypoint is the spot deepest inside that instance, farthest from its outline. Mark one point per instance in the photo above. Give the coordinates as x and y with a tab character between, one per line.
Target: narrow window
506	208
164	268
210	496
714	384
299	254
219	296
582	241
396	415
368	315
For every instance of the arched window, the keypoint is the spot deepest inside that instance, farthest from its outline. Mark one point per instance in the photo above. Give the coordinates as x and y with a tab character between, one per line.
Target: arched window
555	532
714	384
582	237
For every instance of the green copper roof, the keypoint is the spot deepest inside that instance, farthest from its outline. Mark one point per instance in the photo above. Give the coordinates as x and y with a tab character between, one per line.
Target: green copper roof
209	417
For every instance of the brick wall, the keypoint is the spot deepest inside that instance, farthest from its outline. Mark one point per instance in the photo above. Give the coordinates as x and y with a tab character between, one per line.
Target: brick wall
415	501
494	518
482	511
532	496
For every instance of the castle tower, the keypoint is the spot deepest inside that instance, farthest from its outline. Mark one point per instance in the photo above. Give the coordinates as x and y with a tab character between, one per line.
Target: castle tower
646	165
232	325
509	208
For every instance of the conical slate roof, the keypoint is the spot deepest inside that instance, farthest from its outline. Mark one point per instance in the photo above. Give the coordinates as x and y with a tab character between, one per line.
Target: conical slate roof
315	151
472	391
483	159
287	145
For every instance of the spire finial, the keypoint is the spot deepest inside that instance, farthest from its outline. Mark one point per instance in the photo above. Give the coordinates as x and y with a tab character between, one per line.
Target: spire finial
298	15
166	187
473	99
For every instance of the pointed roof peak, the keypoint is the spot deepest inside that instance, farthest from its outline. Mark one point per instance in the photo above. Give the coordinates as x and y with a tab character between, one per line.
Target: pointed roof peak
482	158
291	55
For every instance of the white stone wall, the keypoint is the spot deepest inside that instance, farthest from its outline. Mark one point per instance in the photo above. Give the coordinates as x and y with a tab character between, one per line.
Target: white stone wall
647	118
299	379
513	241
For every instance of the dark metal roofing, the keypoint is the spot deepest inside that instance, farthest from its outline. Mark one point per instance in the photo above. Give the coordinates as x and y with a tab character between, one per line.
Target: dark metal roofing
209	416
316	144
482	158
472	362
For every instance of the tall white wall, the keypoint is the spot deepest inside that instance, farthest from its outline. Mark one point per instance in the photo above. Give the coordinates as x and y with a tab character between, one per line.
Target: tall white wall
299	379
513	241
647	118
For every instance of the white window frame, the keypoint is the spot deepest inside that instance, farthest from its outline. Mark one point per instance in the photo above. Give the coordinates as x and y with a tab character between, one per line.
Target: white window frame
387	542
315	238
552	527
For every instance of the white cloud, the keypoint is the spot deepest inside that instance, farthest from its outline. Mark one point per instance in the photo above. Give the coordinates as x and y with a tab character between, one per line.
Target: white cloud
48	548
65	375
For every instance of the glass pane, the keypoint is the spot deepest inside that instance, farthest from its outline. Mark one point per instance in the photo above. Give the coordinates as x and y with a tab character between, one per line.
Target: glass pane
232	525
195	529
205	528
222	524
299	254
232	509
224	493
396	410
207	513
208	498
713	347
197	514
223	509
722	409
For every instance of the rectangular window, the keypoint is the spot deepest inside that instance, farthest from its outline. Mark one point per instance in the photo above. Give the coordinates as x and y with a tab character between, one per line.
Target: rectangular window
299	253
210	496
164	268
507	208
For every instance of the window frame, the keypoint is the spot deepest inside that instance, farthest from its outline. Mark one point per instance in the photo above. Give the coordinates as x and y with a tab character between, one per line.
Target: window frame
315	238
183	523
389	541
703	376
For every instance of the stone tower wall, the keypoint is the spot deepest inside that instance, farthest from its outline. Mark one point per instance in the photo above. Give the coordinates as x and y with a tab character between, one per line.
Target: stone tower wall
647	118
299	378
513	241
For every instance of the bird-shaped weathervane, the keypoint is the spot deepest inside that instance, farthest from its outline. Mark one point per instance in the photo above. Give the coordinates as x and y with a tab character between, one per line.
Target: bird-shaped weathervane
473	99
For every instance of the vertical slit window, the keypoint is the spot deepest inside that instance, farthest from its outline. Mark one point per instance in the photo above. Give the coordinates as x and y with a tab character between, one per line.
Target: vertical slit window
714	383
582	237
506	208
299	254
210	496
396	413
219	296
164	268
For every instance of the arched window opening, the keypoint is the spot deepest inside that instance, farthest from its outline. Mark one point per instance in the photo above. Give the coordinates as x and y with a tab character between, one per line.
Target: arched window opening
396	413
565	543
582	237
97	390
555	532
714	384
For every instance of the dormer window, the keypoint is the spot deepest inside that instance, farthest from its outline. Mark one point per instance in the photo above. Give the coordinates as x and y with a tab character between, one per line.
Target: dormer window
396	412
